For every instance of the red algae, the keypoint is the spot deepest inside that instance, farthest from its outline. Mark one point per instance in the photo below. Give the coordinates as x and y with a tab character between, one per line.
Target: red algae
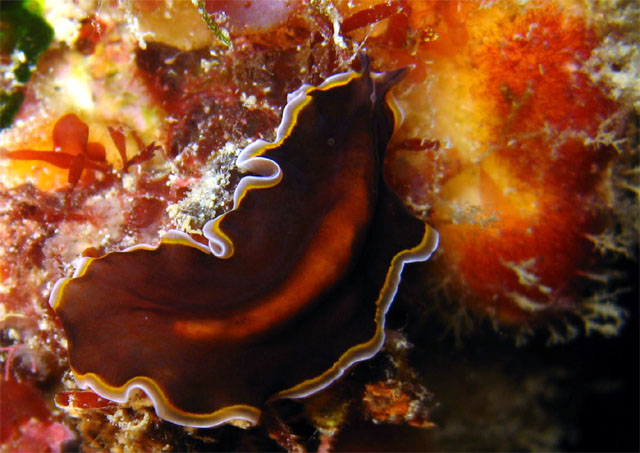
26	424
81	400
72	150
92	30
370	16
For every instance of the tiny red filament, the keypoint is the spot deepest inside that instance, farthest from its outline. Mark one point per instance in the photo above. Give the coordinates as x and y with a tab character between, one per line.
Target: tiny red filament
370	16
92	30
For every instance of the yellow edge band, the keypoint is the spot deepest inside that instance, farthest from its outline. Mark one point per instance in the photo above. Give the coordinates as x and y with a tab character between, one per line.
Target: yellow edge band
87	262
355	354
359	352
165	408
342	80
249	413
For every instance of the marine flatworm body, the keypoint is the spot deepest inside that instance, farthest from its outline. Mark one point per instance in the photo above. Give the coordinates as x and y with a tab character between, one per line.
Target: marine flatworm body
291	291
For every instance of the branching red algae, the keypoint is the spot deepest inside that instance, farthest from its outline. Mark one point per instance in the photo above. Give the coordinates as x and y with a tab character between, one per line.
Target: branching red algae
292	290
72	150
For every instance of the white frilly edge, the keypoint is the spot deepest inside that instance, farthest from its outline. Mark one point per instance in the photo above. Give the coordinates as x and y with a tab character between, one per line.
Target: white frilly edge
421	253
269	173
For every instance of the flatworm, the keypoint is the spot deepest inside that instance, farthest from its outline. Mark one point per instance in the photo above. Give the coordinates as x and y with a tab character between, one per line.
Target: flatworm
292	290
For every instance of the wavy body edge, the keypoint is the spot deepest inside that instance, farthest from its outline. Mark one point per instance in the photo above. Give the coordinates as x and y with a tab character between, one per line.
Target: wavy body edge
269	174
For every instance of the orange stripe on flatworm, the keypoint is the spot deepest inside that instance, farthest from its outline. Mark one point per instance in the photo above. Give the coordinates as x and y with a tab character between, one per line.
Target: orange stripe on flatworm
292	290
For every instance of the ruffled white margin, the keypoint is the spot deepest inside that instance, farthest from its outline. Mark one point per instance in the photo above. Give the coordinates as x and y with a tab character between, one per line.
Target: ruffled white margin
268	174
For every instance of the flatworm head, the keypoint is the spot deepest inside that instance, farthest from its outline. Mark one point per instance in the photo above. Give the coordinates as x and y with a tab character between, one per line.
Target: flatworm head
291	291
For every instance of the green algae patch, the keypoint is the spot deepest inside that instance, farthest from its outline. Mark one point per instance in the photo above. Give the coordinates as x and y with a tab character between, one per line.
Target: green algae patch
24	36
